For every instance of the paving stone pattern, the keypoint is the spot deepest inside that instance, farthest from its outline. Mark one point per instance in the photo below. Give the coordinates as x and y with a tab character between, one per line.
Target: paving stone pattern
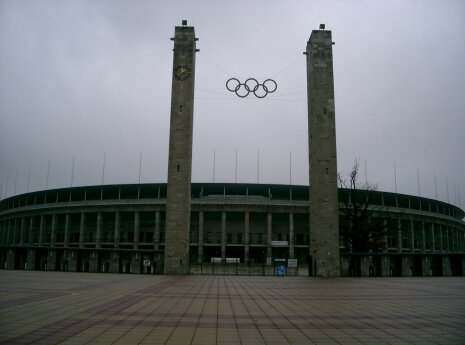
85	308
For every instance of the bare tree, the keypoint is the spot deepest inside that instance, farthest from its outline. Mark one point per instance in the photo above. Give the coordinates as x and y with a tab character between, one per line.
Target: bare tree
361	230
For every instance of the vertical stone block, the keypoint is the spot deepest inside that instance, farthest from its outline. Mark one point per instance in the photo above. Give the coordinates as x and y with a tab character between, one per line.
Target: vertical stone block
427	266
178	201
446	268
136	263
51	260
70	261
324	210
407	266
385	266
10	259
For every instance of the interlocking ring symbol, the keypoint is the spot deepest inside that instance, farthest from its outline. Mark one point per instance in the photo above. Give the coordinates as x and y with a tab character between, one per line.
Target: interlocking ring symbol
251	85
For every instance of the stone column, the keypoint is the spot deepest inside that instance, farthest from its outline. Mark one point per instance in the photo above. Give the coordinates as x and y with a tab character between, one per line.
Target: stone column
223	236
200	249
67	225
8	233
117	231
412	235
441	239
53	231
423	237
82	228
269	226
399	235
433	244
385	236
447	239
41	230
15	229
31	229
156	237
407	266
291	236
446	271
136	229
21	232
246	236
98	235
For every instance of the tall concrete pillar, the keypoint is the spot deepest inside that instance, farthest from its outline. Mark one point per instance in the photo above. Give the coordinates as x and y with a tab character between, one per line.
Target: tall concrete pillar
399	235
82	228
200	249
447	238
178	201
117	231
156	237
433	244
441	239
53	231
41	229
21	231
98	236
269	227
136	229
412	235
246	236
423	237
8	233
291	235
324	208
67	225
223	236
31	230
15	230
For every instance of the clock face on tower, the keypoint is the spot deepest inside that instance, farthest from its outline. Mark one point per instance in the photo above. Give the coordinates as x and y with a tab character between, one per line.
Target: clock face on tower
182	72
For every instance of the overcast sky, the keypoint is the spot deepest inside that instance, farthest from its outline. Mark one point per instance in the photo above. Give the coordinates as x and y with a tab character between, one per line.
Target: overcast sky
80	80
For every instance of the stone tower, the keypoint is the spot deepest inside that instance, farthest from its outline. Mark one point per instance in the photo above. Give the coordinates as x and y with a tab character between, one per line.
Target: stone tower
324	212
178	201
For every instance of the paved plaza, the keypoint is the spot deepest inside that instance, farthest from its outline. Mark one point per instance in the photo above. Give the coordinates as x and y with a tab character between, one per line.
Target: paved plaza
85	308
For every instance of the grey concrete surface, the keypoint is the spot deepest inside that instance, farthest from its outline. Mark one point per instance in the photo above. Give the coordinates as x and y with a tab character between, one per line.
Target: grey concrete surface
85	308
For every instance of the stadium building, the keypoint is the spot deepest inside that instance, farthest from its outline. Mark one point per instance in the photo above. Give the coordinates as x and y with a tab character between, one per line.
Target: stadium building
234	229
185	228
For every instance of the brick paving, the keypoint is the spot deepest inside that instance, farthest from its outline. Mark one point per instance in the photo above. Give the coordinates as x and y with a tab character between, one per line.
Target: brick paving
85	308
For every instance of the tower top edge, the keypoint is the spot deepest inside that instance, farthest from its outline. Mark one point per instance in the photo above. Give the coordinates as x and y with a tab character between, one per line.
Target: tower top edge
183	29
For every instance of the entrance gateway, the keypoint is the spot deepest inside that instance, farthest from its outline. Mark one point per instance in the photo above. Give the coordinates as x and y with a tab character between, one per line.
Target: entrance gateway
323	203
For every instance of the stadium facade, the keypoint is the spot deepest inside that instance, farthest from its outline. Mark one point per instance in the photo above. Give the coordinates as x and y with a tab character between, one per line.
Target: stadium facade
234	229
180	227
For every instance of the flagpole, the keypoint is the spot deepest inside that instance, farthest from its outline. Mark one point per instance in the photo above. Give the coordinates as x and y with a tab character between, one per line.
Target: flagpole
140	163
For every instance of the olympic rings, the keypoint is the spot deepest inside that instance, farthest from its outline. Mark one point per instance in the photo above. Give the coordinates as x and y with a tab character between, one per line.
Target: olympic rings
251	85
